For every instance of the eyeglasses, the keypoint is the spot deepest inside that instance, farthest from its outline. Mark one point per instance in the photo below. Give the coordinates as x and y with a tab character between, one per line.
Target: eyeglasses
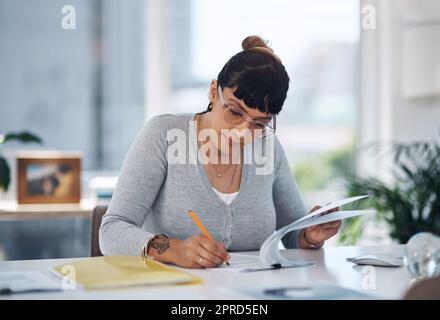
236	116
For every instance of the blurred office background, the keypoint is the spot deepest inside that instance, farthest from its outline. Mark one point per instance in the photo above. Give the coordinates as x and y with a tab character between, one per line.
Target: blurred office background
91	89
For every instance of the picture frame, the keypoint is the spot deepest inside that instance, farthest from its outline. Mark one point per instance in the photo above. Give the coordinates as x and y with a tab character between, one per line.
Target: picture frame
48	177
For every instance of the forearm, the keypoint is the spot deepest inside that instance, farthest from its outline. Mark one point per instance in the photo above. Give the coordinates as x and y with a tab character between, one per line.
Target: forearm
117	237
141	177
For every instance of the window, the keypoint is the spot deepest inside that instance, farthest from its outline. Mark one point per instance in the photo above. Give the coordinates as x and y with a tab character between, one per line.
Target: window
318	42
79	89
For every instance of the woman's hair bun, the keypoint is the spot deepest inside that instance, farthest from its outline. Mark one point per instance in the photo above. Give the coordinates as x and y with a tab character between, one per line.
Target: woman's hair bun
251	42
256	44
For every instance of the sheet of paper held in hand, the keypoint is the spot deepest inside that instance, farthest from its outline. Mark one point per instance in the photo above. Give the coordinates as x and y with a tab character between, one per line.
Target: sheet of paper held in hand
269	253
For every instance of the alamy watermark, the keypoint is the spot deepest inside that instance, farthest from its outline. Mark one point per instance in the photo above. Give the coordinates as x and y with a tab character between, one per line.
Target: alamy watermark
68	281
368	281
368	17
68	17
259	150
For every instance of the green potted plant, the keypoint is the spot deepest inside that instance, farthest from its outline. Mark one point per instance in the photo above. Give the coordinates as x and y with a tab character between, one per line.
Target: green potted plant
5	172
411	204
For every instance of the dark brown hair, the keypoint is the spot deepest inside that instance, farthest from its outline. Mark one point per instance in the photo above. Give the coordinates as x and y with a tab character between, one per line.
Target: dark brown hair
257	76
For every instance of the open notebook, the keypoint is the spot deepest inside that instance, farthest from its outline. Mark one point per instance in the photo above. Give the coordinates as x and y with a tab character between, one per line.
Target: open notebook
270	257
121	271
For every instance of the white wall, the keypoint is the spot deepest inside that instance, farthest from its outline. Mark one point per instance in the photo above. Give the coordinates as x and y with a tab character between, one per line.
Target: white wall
388	61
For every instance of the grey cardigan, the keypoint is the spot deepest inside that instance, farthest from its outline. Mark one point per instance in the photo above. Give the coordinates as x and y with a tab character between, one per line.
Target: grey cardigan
153	195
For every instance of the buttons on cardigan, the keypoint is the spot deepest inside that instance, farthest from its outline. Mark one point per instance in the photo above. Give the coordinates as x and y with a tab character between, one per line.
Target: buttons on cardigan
228	227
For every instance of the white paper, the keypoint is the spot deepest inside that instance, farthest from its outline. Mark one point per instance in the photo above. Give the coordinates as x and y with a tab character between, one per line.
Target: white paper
25	281
245	263
331	205
314	291
240	262
269	253
334	216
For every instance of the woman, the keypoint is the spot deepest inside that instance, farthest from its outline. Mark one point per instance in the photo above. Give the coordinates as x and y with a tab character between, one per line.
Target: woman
239	205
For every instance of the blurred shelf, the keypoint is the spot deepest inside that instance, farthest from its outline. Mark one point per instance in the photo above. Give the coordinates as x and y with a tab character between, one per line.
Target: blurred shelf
12	211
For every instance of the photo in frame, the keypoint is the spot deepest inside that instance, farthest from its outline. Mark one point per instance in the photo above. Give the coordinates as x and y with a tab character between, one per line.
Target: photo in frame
48	177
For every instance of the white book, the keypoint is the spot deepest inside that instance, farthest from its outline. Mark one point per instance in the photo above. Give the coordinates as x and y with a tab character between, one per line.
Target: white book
270	257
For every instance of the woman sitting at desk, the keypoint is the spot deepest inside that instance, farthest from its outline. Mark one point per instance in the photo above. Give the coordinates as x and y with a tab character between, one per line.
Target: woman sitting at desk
239	204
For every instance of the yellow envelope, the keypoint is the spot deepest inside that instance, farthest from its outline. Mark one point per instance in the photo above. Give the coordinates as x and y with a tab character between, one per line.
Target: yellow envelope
121	271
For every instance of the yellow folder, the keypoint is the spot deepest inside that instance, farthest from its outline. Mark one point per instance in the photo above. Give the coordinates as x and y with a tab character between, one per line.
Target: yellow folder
121	271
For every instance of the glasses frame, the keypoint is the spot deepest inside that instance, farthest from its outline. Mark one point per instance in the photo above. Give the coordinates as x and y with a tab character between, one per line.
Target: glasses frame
268	128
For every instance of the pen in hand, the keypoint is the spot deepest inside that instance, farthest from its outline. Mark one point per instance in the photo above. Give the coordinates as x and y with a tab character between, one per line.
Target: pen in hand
201	227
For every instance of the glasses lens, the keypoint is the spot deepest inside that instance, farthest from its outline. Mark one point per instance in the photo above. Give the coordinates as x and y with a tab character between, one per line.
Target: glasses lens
233	115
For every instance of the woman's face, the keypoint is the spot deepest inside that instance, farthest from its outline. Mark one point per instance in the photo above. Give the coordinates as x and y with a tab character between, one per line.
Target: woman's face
227	132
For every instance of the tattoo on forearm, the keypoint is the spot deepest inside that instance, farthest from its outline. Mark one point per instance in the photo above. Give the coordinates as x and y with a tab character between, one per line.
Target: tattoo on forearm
161	245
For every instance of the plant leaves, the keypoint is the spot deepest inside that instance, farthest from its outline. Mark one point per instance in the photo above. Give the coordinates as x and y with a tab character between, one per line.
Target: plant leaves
412	204
5	174
24	136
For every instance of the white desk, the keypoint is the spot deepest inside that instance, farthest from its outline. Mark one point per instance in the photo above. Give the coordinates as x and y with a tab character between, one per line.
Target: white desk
330	267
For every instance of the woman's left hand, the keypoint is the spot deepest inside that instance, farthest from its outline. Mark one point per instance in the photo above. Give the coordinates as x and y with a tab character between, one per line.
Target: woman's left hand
315	236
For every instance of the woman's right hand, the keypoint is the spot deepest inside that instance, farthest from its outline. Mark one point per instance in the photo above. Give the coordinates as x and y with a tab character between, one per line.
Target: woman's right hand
195	252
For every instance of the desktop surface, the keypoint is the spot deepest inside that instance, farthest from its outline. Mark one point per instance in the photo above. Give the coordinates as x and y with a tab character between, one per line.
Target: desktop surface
330	267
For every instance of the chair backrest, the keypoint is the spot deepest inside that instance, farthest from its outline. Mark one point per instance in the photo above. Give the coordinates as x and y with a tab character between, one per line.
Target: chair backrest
427	289
97	214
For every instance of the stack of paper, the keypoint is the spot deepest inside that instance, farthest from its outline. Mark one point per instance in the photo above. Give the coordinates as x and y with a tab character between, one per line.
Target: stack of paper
26	281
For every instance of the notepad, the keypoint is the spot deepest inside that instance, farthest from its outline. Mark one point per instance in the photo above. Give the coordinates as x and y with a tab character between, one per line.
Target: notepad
121	271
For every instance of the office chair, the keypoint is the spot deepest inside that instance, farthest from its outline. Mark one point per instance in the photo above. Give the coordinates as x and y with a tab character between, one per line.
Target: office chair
428	289
97	214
